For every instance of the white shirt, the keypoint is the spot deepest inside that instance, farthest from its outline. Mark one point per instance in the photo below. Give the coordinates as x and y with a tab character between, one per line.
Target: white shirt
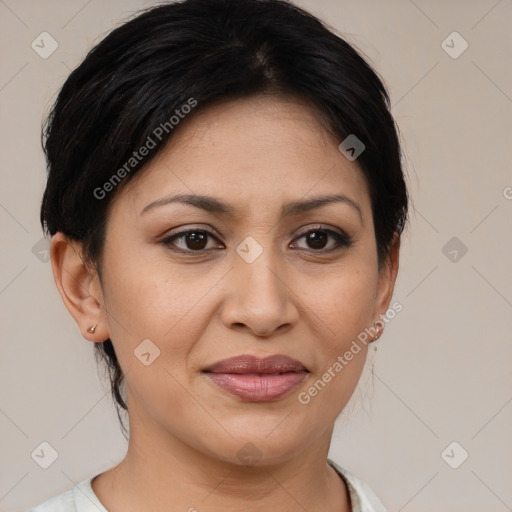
82	498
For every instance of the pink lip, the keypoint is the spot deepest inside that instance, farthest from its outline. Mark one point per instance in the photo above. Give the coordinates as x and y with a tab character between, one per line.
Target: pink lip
257	379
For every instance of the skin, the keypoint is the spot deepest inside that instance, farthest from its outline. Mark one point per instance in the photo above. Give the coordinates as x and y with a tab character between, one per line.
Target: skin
185	433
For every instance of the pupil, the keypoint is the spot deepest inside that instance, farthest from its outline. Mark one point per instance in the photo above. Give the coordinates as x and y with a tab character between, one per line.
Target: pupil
196	240
317	239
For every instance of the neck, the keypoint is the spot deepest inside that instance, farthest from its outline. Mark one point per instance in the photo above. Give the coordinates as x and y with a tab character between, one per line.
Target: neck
160	469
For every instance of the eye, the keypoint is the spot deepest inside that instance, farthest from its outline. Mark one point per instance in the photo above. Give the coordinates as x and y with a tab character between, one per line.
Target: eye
197	240
191	240
317	239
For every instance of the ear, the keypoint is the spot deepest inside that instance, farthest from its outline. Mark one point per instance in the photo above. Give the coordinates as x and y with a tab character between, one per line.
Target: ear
79	286
387	278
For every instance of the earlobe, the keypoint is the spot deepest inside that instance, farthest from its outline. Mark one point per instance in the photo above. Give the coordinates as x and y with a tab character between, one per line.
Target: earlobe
78	285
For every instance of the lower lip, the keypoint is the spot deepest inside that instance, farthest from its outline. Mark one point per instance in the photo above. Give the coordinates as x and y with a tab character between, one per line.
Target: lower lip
257	387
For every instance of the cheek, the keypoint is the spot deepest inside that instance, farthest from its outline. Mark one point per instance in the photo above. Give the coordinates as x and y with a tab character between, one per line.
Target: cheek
343	306
343	301
143	306
153	300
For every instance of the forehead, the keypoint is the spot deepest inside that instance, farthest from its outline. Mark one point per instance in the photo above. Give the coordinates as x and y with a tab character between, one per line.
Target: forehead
255	153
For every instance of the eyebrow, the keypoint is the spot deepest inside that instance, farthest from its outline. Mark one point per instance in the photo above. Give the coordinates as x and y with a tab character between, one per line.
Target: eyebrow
213	205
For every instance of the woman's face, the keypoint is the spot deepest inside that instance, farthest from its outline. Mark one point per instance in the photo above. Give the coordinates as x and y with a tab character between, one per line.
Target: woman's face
249	282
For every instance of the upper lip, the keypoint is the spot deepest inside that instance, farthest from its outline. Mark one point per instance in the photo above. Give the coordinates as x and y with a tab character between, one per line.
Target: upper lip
252	364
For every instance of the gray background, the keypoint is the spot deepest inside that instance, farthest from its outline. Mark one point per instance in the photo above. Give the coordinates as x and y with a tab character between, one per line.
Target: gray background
442	372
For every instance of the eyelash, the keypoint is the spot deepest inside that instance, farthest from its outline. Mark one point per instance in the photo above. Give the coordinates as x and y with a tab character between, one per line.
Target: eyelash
342	240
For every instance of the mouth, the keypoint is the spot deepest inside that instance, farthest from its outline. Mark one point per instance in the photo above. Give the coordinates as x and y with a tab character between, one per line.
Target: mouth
257	379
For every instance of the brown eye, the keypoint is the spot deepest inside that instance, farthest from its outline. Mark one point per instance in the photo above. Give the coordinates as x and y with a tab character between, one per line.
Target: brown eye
196	240
318	240
192	240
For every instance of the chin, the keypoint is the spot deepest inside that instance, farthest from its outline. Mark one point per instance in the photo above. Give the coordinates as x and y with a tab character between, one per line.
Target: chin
257	448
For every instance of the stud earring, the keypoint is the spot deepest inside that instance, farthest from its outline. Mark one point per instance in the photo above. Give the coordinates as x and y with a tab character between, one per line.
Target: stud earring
378	329
92	329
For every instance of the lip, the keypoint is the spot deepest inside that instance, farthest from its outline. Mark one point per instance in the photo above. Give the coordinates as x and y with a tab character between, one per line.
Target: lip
257	379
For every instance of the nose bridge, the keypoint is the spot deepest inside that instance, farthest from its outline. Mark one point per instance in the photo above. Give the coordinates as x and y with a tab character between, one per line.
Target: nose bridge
258	296
258	272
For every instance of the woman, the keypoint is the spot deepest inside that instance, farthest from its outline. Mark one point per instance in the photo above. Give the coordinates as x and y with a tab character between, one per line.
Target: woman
225	199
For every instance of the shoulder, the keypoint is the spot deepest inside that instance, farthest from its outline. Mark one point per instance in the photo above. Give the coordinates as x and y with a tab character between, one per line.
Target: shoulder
64	502
80	498
361	495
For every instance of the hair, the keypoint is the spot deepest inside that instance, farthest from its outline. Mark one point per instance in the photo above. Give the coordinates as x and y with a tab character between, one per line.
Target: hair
144	72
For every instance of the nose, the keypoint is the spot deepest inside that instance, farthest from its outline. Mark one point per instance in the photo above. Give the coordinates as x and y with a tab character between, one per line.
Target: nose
259	300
